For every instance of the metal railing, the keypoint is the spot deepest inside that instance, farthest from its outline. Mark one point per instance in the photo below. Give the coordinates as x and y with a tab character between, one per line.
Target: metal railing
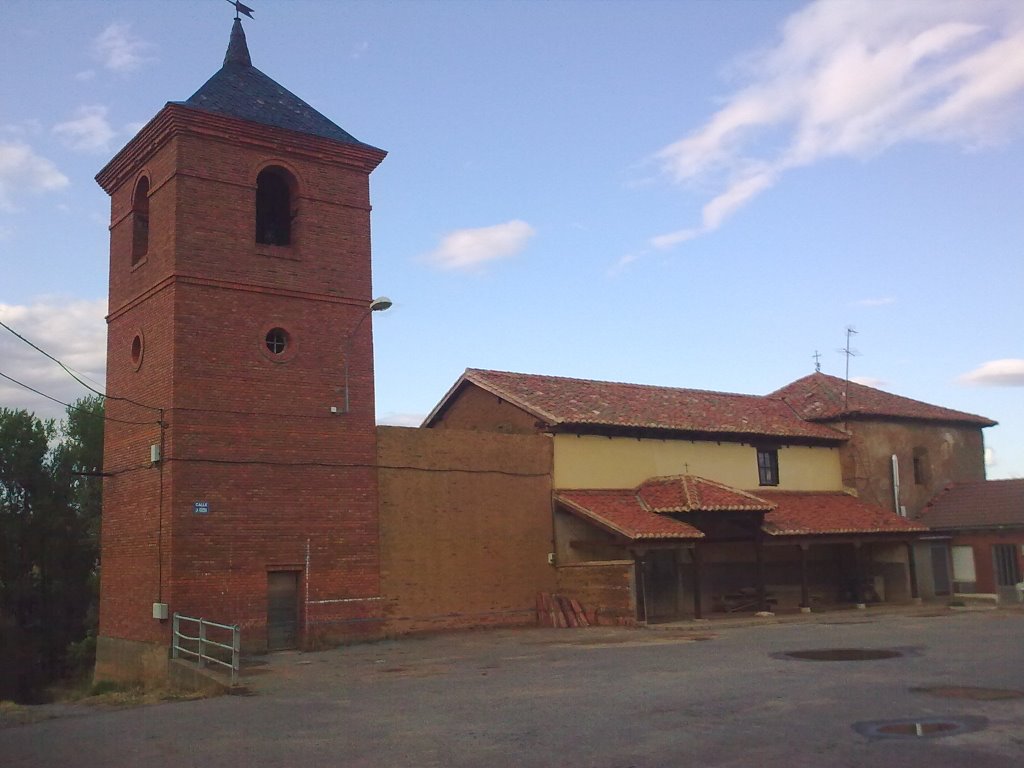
205	651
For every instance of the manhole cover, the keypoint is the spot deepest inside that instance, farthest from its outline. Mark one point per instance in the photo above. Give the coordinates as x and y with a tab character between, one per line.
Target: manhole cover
843	654
920	727
970	692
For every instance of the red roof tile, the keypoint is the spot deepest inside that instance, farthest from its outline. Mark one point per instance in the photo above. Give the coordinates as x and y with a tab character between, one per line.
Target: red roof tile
559	401
688	493
983	504
620	511
819	397
812	513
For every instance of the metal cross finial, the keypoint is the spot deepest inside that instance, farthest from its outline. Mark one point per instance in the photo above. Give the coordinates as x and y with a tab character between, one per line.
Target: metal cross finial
817	361
241	8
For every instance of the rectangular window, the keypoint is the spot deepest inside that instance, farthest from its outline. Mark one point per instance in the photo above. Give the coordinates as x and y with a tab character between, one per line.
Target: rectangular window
768	466
964	576
921	473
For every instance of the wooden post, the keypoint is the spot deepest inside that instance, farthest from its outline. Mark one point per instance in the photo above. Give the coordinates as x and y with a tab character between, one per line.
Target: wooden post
858	576
697	612
805	592
762	598
677	562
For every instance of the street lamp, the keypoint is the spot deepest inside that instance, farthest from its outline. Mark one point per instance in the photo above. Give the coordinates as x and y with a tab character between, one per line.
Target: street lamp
379	304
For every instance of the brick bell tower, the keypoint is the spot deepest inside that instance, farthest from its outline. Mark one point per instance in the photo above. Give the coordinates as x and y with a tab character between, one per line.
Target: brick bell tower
239	456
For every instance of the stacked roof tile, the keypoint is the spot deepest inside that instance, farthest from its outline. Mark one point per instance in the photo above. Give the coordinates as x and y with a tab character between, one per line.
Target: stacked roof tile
820	397
566	402
688	493
982	504
815	513
647	512
620	511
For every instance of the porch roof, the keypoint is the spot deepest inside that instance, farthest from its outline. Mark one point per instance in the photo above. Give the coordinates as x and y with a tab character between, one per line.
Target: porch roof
689	493
621	511
798	513
648	511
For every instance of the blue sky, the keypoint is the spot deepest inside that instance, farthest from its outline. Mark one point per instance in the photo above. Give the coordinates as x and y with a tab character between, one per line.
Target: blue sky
694	194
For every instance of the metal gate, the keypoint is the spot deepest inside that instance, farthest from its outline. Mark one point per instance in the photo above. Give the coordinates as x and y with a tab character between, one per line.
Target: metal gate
282	610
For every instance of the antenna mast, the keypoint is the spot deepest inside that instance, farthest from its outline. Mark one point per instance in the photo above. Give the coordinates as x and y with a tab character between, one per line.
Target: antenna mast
850	331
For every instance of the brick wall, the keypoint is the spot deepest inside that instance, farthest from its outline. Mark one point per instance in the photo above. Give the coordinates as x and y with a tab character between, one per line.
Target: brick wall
465	527
290	486
604	587
952	453
477	409
984	564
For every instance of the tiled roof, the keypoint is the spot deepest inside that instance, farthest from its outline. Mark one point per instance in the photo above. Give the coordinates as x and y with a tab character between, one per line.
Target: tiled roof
240	90
688	493
983	504
559	401
819	397
814	513
646	512
620	511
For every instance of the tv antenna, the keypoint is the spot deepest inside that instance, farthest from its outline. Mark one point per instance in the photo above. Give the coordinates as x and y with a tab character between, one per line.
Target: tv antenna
849	352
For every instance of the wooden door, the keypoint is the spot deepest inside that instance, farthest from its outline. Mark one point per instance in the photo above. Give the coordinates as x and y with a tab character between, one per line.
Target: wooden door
940	569
1007	571
282	610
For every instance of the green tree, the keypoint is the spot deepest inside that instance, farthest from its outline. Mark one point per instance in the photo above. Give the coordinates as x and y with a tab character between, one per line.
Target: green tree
49	543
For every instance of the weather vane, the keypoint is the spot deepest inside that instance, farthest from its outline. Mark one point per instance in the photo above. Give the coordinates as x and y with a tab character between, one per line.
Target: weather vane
240	8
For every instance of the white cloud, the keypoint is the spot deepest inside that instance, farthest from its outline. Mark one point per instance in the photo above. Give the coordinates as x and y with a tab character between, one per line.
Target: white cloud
869	381
997	373
879	302
120	51
991	460
467	248
852	79
22	170
73	331
89	131
396	419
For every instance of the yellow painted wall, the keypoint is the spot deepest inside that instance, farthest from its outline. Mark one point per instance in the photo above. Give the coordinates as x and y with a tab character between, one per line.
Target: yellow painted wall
599	462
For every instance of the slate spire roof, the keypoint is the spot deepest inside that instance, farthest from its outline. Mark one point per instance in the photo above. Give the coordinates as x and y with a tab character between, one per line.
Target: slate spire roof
241	91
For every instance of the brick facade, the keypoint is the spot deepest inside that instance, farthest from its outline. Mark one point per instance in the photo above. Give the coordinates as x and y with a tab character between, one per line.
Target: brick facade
945	453
289	484
465	527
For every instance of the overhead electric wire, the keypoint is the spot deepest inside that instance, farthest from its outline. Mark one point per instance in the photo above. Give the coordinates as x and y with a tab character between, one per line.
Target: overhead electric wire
71	373
73	407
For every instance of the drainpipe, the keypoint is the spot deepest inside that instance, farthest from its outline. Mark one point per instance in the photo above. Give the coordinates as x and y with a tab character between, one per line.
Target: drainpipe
896	484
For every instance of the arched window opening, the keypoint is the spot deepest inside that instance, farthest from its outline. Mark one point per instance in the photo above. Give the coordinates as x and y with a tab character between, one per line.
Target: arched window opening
140	220
273	207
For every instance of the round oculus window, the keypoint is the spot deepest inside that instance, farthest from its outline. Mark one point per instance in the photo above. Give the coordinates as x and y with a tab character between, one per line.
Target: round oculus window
137	350
277	341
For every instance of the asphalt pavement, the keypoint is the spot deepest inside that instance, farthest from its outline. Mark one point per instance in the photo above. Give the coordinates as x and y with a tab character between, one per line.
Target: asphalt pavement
937	690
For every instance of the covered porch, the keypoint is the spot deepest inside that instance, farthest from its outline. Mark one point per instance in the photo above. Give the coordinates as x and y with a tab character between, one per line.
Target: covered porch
697	549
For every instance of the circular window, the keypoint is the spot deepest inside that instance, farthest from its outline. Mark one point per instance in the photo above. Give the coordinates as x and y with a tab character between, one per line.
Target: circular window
137	350
277	341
